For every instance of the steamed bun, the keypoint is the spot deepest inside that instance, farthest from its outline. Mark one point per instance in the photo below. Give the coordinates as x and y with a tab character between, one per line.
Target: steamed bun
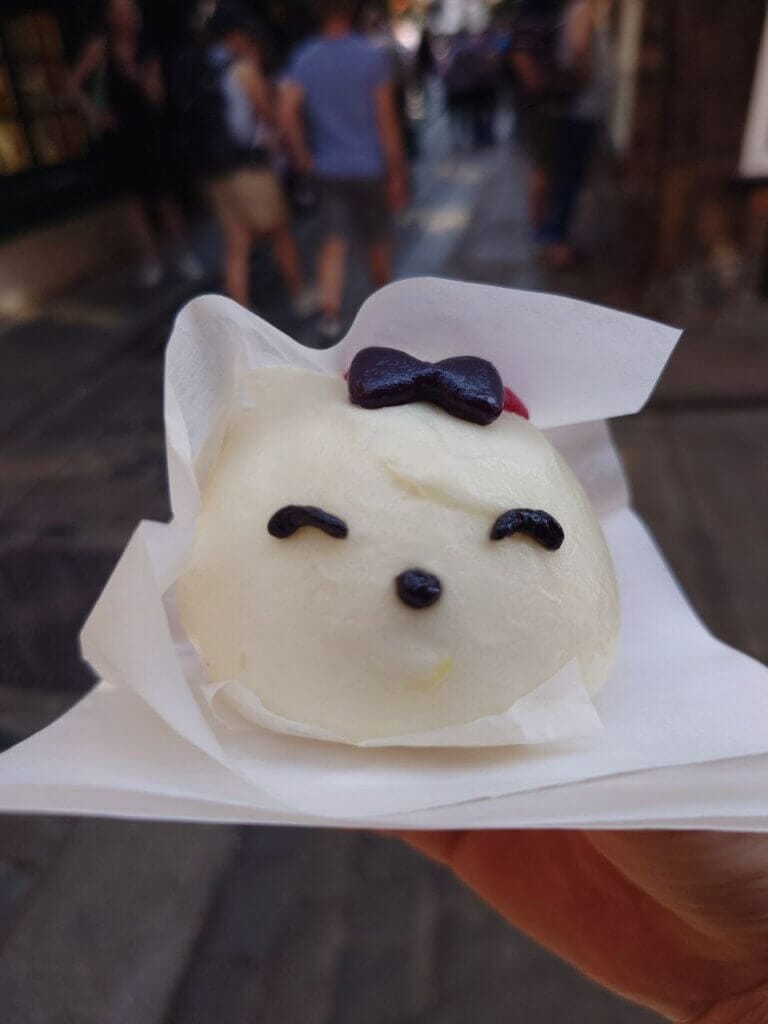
313	624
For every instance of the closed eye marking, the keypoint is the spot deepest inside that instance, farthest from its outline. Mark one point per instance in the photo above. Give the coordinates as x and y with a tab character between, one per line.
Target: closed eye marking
534	523
290	518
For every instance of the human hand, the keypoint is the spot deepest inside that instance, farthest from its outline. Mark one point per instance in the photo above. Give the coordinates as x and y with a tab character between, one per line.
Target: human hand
677	921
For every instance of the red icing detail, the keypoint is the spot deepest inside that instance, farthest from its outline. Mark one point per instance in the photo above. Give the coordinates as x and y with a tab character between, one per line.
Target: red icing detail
513	404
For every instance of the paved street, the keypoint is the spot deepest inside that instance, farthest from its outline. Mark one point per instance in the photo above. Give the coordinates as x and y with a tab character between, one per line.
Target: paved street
133	923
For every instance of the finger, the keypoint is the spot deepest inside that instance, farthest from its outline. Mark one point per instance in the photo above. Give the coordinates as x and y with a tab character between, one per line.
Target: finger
747	1008
717	882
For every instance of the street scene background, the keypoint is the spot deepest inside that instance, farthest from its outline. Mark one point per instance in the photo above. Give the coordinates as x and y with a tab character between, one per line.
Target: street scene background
118	921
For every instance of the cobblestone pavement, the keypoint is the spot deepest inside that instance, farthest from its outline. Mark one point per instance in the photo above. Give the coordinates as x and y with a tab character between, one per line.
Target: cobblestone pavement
141	923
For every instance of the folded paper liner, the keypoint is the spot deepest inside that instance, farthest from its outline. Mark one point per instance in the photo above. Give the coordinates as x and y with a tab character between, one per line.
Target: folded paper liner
559	709
684	736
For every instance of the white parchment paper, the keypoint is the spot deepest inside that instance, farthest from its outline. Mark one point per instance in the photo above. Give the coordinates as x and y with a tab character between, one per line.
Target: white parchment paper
559	709
685	719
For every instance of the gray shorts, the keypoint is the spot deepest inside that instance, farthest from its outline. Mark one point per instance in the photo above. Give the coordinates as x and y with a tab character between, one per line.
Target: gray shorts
355	207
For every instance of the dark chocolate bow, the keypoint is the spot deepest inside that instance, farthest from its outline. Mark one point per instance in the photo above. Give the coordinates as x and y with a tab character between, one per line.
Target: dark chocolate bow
465	386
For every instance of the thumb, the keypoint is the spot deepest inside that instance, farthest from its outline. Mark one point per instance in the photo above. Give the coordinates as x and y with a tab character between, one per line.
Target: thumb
715	882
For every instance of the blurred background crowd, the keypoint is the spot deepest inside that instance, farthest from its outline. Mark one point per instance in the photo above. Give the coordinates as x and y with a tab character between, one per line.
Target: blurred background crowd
267	114
297	154
124	125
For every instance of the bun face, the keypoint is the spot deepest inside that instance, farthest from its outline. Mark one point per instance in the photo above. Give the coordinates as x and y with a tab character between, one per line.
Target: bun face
378	572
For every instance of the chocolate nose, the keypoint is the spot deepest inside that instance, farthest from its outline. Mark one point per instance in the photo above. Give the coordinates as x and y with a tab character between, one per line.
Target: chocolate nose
417	588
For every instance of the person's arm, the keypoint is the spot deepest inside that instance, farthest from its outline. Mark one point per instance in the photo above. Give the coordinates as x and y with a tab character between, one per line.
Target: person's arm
528	71
151	79
91	57
579	31
391	145
291	121
250	79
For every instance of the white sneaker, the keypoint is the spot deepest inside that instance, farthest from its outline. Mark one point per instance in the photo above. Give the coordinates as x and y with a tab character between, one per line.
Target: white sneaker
150	273
306	303
329	328
189	266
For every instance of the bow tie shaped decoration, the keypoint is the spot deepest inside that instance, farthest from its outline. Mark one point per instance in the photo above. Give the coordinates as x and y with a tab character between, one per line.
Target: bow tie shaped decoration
467	387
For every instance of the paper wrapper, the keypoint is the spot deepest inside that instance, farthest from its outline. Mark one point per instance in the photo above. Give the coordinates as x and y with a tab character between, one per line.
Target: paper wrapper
684	736
559	709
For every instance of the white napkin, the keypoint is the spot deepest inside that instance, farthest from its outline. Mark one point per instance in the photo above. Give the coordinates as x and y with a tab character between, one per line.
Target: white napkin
685	719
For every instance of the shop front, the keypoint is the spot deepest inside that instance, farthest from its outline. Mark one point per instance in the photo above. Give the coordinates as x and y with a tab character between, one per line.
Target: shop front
47	166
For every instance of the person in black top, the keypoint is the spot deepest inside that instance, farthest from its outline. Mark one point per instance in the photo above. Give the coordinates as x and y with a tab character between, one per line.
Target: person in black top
532	56
132	122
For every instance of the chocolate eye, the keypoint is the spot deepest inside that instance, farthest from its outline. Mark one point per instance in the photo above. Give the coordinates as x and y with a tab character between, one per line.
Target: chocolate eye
534	523
290	518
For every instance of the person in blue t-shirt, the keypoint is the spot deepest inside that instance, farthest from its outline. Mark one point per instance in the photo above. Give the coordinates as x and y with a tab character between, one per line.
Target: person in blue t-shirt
340	122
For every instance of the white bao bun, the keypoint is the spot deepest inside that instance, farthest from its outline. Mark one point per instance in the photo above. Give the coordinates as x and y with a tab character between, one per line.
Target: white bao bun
313	625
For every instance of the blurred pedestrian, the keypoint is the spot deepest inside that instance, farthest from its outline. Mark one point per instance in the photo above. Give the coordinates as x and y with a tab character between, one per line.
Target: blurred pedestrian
425	63
458	82
377	29
235	117
133	126
426	86
485	91
584	54
340	83
471	88
533	56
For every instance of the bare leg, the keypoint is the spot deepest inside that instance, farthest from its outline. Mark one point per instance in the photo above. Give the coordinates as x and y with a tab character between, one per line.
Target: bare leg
238	248
538	196
380	263
330	274
287	259
171	220
142	230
